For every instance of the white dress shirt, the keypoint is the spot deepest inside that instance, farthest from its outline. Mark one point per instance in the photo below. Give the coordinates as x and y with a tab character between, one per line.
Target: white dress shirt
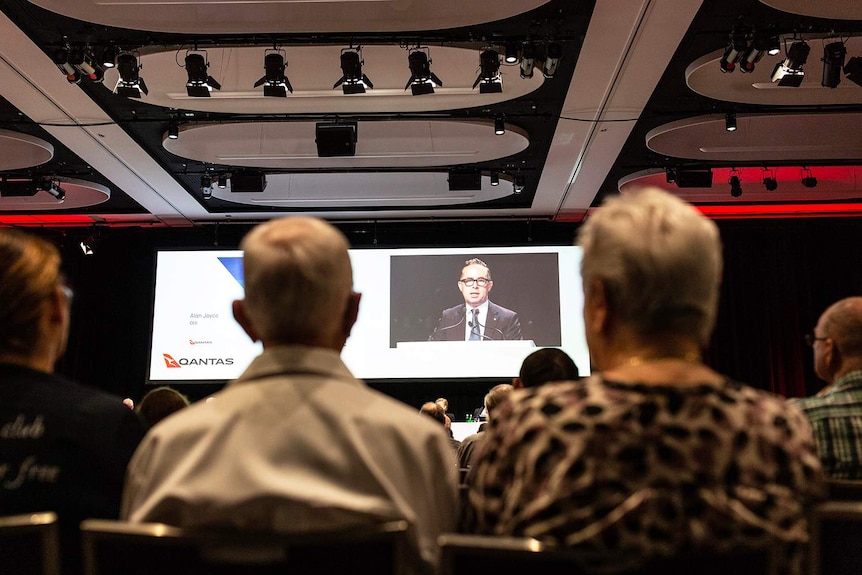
483	319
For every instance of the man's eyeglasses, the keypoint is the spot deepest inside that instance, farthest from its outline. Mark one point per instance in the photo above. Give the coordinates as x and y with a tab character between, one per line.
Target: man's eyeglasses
810	338
470	282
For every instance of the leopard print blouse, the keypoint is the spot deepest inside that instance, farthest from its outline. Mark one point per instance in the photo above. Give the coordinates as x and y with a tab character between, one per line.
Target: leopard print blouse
627	472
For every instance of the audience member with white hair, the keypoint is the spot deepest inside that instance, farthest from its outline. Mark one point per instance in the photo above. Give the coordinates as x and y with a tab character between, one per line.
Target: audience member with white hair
297	443
655	454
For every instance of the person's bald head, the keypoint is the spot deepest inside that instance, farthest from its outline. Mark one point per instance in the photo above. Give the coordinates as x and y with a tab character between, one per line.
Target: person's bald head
298	284
838	339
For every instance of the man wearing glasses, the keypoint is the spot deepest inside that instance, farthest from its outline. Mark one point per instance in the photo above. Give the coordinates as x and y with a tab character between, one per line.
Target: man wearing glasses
836	411
478	318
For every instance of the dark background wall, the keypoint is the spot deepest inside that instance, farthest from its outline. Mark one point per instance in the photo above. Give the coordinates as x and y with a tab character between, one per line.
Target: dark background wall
779	276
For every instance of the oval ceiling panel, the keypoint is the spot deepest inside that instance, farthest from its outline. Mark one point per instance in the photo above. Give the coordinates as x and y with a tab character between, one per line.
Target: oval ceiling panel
79	194
313	71
833	9
832	183
362	190
391	144
705	77
288	16
768	138
23	150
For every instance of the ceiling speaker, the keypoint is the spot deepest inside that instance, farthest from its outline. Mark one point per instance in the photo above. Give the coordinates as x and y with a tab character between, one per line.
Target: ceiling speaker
464	181
335	139
248	182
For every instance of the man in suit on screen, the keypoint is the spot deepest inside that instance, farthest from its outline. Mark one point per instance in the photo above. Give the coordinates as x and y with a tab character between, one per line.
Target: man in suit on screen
478	318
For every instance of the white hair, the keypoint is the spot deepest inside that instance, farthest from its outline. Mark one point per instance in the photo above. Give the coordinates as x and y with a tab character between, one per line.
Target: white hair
298	278
659	260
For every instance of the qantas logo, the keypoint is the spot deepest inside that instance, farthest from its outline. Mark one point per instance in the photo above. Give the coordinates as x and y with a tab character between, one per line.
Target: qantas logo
185	361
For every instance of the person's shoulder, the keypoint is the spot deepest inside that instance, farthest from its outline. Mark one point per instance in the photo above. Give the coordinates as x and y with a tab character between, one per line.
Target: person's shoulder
453	309
500	310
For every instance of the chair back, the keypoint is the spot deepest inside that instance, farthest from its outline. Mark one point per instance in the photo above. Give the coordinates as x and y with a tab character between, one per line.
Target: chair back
30	544
120	548
465	554
836	538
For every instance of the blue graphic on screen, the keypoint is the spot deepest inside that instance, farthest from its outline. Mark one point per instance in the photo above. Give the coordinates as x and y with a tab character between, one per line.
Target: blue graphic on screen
234	266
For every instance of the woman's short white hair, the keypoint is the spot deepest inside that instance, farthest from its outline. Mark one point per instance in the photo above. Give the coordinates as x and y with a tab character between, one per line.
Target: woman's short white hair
659	260
297	278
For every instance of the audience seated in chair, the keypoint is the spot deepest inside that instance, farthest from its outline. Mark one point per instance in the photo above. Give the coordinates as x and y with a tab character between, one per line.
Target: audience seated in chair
64	446
435	412
159	403
544	365
296	443
656	454
470	446
836	411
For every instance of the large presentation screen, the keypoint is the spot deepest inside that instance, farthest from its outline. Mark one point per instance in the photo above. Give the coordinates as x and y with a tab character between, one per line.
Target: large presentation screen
412	321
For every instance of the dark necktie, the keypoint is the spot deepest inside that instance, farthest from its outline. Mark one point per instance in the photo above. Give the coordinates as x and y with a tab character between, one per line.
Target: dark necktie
474	330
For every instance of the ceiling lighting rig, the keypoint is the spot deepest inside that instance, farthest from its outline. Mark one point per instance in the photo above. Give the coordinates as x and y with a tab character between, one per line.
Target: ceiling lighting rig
833	61
76	63
353	80
275	83
789	72
200	83
422	79
25	188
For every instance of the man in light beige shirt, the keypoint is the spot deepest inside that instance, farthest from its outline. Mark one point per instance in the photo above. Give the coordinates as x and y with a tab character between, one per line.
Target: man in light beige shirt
296	443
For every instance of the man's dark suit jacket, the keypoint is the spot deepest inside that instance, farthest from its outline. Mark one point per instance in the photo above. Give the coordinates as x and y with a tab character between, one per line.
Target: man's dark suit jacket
500	324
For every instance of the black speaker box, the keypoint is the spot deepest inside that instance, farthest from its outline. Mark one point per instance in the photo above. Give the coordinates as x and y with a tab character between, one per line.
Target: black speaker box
463	181
247	182
335	140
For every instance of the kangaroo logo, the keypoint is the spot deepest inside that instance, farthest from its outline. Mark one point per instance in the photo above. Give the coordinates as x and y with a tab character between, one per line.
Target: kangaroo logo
169	361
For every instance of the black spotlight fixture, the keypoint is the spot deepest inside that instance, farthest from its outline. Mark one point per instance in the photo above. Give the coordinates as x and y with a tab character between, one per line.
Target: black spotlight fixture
53	187
108	57
88	244
274	81
553	55
511	53
173	131
61	59
769	181
519	183
833	61
422	79
737	48
86	65
528	59
730	121
222	181
767	40
853	70
353	80
489	80
131	84
207	186
495	179
499	125
789	72
808	179
735	185
199	84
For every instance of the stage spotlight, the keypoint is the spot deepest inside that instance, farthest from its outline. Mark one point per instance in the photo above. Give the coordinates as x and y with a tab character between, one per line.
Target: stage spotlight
222	181
789	72
511	56
56	190
735	185
109	57
519	183
499	125
88	244
769	181
173	131
489	80
199	84
207	186
274	81
730	121
61	59
528	59
766	40
495	179
808	179
353	81
422	79
737	46
553	55
833	62
131	84
853	70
